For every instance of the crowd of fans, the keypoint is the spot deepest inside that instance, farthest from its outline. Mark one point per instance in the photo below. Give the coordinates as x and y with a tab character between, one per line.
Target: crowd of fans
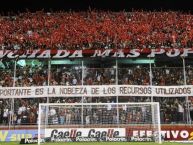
173	110
75	75
103	115
135	75
93	30
25	110
96	29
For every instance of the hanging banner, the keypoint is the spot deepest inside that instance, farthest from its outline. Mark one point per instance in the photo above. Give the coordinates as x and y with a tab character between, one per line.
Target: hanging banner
96	91
118	53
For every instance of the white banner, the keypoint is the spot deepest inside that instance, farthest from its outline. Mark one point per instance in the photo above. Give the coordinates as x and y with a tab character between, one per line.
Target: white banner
96	91
61	133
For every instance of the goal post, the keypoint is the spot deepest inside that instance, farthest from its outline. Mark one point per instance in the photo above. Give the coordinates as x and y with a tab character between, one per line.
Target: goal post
99	122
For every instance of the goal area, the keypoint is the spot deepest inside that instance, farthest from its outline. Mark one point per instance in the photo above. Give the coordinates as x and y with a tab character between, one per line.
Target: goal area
76	122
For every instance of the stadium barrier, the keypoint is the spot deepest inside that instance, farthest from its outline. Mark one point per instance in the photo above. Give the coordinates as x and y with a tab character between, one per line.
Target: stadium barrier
169	132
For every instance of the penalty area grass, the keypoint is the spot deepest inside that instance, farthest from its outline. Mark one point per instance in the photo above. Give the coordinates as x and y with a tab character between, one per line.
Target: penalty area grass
97	143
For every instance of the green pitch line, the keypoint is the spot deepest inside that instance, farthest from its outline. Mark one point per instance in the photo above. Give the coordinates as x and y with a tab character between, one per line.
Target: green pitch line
96	143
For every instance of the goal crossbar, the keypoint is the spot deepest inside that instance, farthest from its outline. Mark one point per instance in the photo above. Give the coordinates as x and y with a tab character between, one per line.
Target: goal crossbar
66	104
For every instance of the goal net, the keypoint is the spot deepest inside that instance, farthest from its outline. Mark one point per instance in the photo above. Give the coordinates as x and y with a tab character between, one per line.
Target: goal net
132	122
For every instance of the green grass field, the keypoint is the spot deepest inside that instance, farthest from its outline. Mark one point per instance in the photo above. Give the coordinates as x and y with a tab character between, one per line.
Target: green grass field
97	143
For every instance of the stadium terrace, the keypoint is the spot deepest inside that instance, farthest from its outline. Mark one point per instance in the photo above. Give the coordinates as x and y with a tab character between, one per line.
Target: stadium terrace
96	72
93	30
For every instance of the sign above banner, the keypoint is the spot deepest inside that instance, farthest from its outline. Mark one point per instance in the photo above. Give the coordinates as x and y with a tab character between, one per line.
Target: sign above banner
114	53
96	91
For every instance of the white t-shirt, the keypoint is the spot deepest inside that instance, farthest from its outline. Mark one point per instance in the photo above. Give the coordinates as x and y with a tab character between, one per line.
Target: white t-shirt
180	108
5	113
74	81
19	121
23	108
52	112
19	111
124	107
87	119
109	107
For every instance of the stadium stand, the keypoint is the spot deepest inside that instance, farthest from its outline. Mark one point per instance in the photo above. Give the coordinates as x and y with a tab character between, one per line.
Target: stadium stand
93	30
96	29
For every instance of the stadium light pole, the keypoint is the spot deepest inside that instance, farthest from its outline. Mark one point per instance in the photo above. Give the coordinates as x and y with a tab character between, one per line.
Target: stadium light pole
13	100
150	77
185	83
117	97
150	81
82	119
49	69
47	109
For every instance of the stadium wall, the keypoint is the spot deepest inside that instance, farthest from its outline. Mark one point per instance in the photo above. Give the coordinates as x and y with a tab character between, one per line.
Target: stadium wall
169	132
